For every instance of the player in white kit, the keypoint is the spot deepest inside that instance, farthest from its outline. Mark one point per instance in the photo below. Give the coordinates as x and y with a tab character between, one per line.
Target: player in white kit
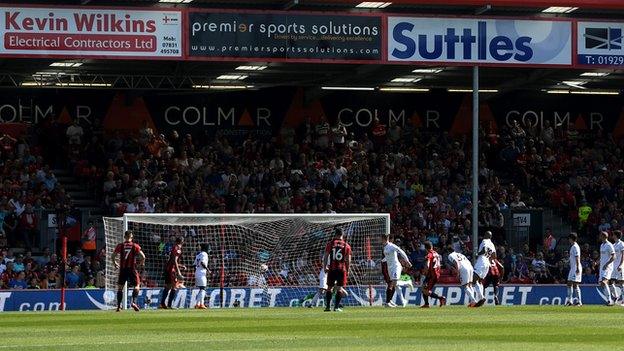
486	251
391	254
617	279
201	272
607	256
461	264
574	277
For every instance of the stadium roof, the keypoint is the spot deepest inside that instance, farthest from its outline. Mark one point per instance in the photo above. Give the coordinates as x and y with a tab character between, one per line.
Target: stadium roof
171	75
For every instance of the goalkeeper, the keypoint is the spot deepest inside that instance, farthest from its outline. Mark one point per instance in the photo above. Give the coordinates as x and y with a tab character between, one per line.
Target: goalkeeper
172	275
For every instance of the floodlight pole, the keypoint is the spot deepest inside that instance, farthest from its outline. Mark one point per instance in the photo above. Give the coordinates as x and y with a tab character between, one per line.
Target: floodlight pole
475	161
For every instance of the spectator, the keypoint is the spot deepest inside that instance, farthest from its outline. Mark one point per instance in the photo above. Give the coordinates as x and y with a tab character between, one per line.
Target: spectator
19	281
73	279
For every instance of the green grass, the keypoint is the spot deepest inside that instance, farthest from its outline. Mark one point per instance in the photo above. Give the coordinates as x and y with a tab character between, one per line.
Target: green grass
451	328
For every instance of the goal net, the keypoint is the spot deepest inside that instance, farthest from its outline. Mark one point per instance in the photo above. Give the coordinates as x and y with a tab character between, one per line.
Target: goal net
254	260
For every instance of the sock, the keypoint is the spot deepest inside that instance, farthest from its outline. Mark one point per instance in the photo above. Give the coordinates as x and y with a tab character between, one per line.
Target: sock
389	294
570	293
163	298
495	288
328	297
618	290
135	295
607	292
470	293
315	299
338	298
478	287
578	293
172	295
425	299
435	296
201	296
119	297
612	290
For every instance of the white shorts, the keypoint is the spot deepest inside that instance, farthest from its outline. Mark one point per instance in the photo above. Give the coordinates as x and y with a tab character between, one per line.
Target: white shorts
394	272
605	274
201	279
573	277
482	267
465	275
322	279
616	275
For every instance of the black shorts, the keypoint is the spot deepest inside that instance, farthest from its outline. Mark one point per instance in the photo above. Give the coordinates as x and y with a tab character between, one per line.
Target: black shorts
491	280
336	277
170	277
129	275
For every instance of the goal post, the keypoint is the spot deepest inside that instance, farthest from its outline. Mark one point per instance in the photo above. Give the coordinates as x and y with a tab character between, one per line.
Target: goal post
255	254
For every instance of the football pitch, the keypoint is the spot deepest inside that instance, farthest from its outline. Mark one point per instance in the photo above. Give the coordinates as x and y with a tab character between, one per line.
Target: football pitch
450	328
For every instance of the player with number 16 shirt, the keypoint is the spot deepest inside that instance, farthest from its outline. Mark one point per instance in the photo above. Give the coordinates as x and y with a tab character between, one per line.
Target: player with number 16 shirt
338	254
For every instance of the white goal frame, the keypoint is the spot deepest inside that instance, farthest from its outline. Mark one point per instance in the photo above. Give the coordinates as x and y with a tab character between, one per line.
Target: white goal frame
128	217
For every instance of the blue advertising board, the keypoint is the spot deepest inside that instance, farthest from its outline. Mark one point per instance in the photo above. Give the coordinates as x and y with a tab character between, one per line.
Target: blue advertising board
100	299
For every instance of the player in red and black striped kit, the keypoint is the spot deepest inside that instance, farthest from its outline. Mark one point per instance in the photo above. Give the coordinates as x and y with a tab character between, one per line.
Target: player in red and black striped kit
129	252
172	274
432	274
338	252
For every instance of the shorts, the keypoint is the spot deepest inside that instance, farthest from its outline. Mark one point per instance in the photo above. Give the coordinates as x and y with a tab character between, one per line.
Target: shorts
465	275
336	277
394	272
493	280
129	275
616	275
573	277
429	282
482	267
322	279
170	277
605	274
201	279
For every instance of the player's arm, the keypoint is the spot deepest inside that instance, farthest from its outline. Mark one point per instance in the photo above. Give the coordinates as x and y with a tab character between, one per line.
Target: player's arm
325	256
348	261
578	264
619	266
403	255
114	257
611	259
141	260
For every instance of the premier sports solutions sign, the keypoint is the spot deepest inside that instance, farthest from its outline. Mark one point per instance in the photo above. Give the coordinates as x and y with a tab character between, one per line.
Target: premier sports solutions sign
100	299
482	41
284	35
106	33
600	44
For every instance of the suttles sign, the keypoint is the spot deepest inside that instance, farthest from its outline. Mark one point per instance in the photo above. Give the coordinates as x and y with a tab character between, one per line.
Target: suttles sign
489	41
600	44
90	32
284	36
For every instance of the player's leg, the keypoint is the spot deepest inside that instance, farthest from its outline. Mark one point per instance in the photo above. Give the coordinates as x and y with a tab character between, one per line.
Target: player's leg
120	287
319	294
166	289
136	282
612	291
390	289
495	281
341	282
570	294
577	290
331	280
619	289
478	288
432	294
604	285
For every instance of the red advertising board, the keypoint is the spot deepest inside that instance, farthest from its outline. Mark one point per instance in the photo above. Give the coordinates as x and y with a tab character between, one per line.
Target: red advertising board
91	32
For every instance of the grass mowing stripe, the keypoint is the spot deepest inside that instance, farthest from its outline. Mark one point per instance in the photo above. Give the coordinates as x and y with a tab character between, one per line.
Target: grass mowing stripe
531	328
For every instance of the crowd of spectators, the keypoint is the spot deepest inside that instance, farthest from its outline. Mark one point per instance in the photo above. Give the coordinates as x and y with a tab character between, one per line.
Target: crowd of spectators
422	179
